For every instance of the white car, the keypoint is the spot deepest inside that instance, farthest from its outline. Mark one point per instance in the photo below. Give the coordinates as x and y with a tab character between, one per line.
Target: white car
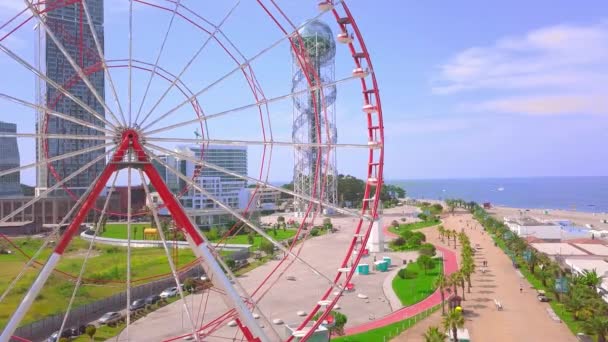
170	292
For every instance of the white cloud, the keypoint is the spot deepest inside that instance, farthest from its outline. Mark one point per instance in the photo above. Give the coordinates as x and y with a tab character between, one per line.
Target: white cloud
565	64
545	104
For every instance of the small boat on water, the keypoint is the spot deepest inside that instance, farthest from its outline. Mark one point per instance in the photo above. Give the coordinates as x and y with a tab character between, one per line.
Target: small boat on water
501	189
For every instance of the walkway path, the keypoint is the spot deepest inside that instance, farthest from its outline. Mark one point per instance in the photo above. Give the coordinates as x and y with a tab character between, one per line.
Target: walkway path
523	317
449	266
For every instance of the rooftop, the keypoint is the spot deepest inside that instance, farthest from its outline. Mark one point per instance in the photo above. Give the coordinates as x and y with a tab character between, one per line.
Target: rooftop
600	266
596	249
559	248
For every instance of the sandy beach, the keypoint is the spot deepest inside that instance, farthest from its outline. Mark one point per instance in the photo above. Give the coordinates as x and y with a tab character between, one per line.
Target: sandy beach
580	218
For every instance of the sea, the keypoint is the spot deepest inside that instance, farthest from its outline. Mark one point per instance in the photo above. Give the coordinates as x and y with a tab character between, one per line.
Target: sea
589	194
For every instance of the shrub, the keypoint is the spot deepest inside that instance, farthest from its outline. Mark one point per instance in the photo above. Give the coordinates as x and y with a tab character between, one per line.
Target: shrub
400	241
340	320
422	216
314	232
230	263
213	233
414	241
403	219
250	238
427	249
395	224
404	273
407	234
418	235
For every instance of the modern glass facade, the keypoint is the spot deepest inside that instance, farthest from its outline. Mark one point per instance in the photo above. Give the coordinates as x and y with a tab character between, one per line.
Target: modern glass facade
226	188
10	185
69	25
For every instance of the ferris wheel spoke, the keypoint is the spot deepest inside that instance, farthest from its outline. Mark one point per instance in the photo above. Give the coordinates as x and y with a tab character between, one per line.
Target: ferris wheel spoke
161	233
54	187
103	60
243	219
258	181
130	62
233	71
48	111
55	85
256	142
159	54
187	66
88	254
56	136
47	240
54	159
129	194
249	106
70	60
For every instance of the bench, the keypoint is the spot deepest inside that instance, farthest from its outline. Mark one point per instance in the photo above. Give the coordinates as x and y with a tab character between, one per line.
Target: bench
498	304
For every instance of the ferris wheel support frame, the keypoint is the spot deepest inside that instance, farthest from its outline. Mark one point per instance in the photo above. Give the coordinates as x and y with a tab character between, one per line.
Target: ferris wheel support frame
131	148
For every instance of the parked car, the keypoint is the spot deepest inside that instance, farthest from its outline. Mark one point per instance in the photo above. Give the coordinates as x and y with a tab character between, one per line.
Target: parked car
67	333
110	318
150	300
170	292
137	304
542	296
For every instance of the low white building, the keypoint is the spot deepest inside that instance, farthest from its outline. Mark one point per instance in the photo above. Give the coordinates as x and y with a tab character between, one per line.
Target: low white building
545	230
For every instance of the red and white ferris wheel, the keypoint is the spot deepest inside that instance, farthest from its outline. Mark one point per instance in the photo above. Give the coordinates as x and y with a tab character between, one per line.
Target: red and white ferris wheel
108	94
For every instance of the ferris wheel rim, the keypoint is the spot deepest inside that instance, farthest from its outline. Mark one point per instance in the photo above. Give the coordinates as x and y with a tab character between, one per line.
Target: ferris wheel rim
373	208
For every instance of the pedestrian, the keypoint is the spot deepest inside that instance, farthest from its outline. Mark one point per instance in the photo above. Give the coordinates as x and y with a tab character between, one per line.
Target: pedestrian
521	288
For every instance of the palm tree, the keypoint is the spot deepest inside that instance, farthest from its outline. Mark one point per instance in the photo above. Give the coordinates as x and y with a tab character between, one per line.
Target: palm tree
454	281
468	268
441	282
452	322
597	325
591	278
441	231
460	278
433	334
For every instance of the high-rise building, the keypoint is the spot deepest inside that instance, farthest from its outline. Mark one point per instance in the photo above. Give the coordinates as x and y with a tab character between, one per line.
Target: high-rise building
70	27
229	189
10	185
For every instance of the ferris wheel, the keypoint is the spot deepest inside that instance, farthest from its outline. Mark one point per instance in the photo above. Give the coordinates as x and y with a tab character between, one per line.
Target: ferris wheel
172	103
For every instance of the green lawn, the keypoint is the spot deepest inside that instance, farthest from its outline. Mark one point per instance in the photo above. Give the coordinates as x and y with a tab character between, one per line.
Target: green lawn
411	291
412	226
387	332
257	239
109	263
119	231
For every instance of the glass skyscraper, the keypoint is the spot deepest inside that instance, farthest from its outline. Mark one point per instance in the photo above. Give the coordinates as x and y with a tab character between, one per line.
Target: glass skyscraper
10	185
70	26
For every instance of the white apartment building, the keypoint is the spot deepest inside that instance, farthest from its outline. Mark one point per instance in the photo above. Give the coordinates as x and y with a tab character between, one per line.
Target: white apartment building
228	189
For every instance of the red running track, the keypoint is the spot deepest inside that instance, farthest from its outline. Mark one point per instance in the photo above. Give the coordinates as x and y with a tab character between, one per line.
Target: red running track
450	265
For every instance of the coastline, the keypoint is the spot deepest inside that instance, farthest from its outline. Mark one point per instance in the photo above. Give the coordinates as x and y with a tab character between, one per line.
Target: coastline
579	218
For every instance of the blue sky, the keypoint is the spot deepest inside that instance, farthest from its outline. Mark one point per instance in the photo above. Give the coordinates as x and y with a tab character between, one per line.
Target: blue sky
469	88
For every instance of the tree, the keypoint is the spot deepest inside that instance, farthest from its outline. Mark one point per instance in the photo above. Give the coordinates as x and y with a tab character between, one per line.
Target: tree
452	322
425	262
90	330
441	282
597	325
135	227
250	238
468	268
189	284
395	224
433	334
441	231
267	247
281	220
400	241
